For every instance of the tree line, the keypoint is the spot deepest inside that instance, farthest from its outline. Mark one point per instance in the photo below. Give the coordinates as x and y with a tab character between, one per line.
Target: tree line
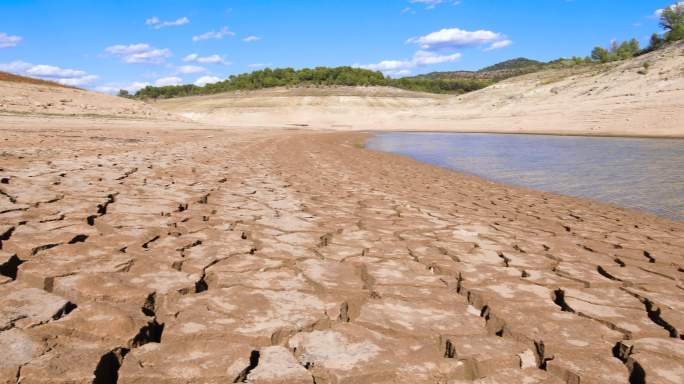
671	20
319	76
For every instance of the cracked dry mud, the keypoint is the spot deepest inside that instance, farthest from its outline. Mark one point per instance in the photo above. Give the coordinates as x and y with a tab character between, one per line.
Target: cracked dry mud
187	255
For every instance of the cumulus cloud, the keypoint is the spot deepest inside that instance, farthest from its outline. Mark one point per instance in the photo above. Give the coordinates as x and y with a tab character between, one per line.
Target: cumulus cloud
60	75
139	53
454	38
211	59
220	34
204	80
155	23
170	80
190	69
9	41
250	39
403	67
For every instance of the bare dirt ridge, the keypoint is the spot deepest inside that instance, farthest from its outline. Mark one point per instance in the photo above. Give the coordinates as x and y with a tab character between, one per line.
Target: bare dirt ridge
638	97
140	252
24	96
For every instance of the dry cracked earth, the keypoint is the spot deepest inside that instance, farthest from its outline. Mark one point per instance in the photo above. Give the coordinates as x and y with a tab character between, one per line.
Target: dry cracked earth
179	255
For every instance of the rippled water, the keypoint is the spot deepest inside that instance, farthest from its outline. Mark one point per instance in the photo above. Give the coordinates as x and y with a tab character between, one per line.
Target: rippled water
646	174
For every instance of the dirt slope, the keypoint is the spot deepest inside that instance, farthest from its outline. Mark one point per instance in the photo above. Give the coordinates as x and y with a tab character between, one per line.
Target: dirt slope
623	98
26	96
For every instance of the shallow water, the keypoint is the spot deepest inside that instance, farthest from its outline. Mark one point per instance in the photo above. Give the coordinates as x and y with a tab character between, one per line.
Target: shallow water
644	174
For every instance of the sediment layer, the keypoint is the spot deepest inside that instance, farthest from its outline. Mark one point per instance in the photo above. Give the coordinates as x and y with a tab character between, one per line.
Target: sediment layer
132	253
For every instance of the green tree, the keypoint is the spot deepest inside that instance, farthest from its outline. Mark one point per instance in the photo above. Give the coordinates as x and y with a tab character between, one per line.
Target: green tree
656	42
600	54
675	34
626	50
672	16
123	93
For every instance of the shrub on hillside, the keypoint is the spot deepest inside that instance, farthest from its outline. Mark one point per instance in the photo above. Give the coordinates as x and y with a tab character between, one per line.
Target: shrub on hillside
617	51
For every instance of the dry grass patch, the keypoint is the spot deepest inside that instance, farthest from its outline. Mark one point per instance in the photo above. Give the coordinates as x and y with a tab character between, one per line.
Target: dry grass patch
4	76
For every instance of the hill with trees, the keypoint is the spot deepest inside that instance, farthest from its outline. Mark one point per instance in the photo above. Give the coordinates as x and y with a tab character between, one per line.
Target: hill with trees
307	77
456	82
496	72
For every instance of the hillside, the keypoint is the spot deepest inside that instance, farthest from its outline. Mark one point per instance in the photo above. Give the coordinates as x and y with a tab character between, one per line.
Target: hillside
311	77
496	72
621	98
10	77
21	95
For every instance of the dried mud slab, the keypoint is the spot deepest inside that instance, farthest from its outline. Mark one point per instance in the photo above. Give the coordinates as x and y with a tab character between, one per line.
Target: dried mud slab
136	253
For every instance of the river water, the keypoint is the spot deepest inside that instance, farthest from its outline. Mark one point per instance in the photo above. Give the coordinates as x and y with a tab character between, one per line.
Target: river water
644	174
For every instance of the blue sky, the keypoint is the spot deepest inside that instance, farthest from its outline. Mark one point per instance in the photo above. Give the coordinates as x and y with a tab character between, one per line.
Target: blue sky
110	44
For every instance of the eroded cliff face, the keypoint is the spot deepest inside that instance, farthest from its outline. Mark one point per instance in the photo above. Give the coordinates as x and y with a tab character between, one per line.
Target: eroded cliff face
178	253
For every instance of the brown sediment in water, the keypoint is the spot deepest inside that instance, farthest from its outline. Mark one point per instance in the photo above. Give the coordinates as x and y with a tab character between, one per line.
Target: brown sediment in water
147	251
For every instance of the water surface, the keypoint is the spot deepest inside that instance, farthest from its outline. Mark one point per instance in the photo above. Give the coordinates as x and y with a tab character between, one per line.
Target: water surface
644	174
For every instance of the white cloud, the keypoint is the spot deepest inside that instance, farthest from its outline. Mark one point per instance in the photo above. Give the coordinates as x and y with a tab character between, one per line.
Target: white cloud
155	23
388	65
79	81
211	59
679	4
250	39
9	41
204	80
397	73
114	88
107	89
220	34
191	57
259	65
402	67
453	38
189	69
52	71
64	76
139	53
18	67
430	58
154	56
499	44
127	49
171	80
152	21
431	4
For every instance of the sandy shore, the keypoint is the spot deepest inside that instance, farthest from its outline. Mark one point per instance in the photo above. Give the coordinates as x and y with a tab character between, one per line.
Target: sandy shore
145	252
